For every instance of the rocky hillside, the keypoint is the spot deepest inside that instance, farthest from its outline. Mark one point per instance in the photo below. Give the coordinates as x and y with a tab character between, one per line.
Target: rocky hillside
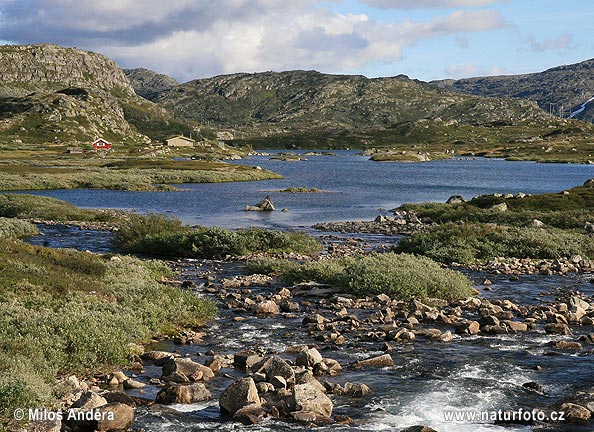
568	87
149	84
306	108
51	94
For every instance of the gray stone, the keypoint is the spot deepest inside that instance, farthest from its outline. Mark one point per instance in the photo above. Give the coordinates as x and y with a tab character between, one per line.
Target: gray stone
241	393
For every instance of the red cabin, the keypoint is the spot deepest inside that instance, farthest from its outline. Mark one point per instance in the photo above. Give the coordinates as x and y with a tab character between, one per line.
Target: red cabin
101	144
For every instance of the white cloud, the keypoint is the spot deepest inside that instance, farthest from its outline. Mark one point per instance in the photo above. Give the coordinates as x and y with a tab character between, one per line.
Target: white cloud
195	38
563	42
425	4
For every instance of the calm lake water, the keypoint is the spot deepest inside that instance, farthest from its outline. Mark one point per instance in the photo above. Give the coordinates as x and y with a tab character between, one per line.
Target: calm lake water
353	189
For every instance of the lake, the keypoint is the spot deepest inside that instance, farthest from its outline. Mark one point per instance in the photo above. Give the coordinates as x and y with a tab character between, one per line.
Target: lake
354	188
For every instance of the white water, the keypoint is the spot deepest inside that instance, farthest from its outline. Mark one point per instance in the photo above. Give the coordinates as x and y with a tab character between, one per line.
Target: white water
581	108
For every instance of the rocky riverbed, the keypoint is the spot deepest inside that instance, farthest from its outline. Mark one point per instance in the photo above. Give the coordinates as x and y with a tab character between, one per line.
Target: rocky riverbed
289	357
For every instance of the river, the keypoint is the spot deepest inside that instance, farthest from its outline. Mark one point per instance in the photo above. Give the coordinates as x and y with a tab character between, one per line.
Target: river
474	373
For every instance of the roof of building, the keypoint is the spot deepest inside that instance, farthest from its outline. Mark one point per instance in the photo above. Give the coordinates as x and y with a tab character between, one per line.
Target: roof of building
180	136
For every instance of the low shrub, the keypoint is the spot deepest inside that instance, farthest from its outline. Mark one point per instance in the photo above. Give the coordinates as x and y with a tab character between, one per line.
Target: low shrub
467	243
159	235
403	276
16	228
26	206
63	311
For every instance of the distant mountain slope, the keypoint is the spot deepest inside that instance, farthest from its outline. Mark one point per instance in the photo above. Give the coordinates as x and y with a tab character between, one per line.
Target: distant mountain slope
566	86
308	108
313	98
52	94
149	84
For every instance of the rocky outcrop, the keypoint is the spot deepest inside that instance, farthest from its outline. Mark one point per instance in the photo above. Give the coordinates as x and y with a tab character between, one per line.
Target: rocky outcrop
43	67
149	84
568	86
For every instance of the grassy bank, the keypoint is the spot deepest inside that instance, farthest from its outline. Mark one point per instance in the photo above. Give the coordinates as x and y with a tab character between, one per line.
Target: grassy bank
544	226
129	174
65	312
569	209
402	276
468	243
25	206
158	235
16	228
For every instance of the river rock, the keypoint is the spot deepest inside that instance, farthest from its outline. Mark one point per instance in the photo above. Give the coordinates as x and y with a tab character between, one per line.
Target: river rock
275	366
356	390
115	416
241	393
308	358
557	328
183	394
381	361
418	429
250	415
567	345
267	307
575	413
89	400
307	377
187	367
156	355
309	398
120	396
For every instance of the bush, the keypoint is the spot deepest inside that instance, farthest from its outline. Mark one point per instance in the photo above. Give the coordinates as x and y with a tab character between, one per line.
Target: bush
16	228
466	243
400	275
63	311
40	207
159	235
137	227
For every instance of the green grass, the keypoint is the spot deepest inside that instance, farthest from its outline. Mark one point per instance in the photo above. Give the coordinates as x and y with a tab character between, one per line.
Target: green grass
294	190
468	243
402	276
63	312
558	210
130	174
16	228
158	235
26	206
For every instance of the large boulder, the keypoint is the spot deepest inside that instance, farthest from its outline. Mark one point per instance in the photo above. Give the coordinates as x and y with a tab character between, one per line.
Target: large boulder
114	417
89	400
189	368
275	366
308	358
309	398
384	360
241	393
183	394
265	205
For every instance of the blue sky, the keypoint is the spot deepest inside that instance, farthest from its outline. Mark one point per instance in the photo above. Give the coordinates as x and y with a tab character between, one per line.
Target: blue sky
425	39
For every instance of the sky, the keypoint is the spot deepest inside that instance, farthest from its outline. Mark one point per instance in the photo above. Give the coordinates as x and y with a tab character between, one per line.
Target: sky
424	39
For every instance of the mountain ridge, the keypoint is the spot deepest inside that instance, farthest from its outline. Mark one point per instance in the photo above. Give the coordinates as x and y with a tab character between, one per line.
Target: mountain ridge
567	86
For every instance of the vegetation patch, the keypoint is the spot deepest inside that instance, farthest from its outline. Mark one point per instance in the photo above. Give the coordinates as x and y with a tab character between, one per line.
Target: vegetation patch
158	235
16	228
567	210
468	243
25	206
402	276
294	190
63	311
